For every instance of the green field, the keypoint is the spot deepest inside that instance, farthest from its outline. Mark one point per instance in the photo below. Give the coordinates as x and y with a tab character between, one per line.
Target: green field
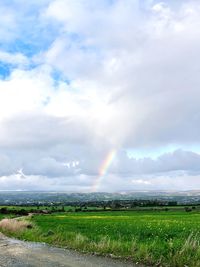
165	238
1	216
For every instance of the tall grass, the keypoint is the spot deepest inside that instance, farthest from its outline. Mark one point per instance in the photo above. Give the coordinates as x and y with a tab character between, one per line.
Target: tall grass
13	225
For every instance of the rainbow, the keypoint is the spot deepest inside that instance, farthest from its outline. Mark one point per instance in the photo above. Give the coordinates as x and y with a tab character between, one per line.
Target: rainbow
103	169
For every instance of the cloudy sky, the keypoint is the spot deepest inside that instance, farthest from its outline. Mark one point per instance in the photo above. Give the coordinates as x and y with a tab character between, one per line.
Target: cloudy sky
99	95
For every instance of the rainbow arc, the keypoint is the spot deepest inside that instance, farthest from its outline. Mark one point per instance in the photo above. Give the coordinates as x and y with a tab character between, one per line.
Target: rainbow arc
103	169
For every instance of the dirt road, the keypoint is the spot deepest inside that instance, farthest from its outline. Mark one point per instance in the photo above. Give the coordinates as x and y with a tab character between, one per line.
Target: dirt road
15	253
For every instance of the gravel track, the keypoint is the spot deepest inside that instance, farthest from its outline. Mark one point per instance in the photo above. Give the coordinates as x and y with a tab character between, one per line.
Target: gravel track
15	253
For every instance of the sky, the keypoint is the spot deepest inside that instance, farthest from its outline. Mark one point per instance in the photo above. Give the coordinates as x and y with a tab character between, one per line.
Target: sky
99	95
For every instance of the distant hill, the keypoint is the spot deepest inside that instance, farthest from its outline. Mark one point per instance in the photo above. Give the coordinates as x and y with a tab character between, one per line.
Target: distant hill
31	198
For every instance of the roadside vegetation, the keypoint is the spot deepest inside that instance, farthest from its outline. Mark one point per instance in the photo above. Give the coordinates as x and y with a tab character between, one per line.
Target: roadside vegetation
14	225
2	216
158	238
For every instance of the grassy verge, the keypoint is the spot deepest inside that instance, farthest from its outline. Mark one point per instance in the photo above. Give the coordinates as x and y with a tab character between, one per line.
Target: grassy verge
2	216
157	238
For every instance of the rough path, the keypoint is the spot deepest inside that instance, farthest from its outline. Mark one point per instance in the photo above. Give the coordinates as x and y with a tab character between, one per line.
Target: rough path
15	253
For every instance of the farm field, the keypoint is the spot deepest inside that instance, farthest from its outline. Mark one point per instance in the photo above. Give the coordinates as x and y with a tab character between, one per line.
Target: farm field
92	208
156	238
48	208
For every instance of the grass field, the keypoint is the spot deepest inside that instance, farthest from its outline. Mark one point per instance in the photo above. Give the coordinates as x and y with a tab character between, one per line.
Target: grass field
162	238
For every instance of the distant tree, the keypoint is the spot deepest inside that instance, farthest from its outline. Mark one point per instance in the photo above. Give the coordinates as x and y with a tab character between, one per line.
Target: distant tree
22	212
187	209
172	203
63	208
4	210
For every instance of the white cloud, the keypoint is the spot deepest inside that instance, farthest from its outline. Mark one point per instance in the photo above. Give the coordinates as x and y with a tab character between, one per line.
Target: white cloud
23	92
138	70
110	75
141	182
13	59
